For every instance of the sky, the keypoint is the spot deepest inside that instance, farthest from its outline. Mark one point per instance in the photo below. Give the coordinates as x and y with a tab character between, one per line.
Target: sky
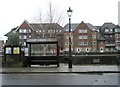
96	12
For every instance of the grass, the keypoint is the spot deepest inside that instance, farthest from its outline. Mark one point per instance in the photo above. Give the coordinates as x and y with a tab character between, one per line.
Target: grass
11	62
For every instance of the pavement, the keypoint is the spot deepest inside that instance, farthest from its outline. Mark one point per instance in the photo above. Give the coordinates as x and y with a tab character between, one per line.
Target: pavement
63	68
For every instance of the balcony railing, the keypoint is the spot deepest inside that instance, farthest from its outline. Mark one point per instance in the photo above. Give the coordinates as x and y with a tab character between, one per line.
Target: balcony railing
110	44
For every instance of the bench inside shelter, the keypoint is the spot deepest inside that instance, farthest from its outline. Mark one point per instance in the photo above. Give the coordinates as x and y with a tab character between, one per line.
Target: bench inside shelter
36	58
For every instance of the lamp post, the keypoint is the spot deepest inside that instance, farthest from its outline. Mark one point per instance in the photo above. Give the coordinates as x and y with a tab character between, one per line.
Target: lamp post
69	12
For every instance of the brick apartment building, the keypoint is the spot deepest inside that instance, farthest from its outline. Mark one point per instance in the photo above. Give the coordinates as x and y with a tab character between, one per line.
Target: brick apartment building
36	31
89	38
84	36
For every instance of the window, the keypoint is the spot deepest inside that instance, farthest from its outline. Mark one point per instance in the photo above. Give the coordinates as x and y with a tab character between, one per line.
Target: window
80	37
59	30
67	37
111	35
20	37
48	31
24	31
87	49
83	43
29	30
117	30
56	30
106	30
101	49
94	36
78	49
39	30
36	31
20	31
53	31
29	36
24	43
94	43
24	37
67	49
85	37
82	31
43	31
66	43
80	43
111	30
117	35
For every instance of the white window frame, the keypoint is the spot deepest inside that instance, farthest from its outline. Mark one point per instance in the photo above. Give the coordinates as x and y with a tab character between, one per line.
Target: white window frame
78	50
60	30
24	31
30	36
94	36
106	30
20	30
85	37
24	37
79	31
80	43
86	43
87	49
94	43
80	37
40	31
84	31
101	49
29	30
20	37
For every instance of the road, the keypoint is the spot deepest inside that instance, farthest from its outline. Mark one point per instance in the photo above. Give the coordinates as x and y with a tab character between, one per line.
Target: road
59	79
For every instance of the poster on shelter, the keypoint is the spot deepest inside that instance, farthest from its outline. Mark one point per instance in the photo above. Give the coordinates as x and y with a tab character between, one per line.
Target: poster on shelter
26	51
8	50
16	50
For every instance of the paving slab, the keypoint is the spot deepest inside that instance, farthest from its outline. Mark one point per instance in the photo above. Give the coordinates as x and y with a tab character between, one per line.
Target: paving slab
63	68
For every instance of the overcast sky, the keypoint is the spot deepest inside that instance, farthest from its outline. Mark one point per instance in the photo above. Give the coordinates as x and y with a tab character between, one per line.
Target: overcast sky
96	12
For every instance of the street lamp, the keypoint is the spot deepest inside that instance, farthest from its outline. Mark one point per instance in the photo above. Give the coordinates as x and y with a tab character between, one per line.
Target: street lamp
69	12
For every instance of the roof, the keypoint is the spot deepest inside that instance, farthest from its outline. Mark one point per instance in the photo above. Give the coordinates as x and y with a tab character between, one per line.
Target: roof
38	26
90	26
73	27
117	27
108	25
42	41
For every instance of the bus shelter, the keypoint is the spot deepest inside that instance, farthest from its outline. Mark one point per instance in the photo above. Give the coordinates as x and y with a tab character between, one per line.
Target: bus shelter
38	51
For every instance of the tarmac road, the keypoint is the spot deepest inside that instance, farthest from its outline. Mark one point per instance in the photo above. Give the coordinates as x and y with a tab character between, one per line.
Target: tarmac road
59	79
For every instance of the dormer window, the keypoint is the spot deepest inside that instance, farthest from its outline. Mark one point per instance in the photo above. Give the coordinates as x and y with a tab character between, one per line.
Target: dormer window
111	30
106	30
67	29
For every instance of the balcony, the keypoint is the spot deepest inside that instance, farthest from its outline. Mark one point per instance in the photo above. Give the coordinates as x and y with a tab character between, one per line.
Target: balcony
110	44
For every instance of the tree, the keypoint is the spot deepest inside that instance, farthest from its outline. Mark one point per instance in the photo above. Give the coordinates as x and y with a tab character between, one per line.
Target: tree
13	39
51	17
